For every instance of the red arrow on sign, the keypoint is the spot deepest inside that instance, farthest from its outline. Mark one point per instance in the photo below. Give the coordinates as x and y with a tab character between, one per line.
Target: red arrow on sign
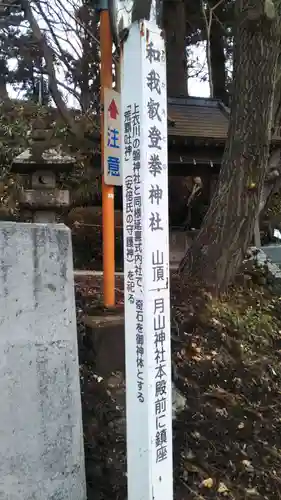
113	110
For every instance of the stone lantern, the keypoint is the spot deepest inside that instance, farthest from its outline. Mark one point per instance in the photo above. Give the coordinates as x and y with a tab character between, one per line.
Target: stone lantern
39	167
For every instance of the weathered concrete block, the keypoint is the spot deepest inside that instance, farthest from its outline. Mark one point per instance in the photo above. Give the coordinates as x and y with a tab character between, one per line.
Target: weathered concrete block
41	450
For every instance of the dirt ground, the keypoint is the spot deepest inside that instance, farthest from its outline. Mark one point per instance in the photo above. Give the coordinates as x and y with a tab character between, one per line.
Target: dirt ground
227	354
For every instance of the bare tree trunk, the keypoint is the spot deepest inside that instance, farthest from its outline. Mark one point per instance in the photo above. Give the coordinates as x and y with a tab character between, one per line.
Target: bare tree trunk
257	234
217	57
270	185
85	61
175	29
3	86
216	254
3	91
214	47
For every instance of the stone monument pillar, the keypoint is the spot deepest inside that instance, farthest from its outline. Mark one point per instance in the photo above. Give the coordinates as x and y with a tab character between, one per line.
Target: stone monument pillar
41	451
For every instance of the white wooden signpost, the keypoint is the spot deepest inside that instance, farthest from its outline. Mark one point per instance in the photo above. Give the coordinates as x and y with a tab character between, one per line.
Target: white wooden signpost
146	268
112	138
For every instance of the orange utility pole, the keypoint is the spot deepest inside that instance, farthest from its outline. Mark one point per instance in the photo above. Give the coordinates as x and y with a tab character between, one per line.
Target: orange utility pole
107	191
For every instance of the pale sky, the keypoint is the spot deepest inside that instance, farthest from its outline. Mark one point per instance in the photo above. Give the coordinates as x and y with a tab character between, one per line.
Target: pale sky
195	87
69	39
198	89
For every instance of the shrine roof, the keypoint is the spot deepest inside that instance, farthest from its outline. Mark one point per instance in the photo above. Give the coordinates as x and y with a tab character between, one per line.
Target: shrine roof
199	118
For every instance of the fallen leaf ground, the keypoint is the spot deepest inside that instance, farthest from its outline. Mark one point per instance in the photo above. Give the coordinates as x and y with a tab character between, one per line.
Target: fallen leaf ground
227	355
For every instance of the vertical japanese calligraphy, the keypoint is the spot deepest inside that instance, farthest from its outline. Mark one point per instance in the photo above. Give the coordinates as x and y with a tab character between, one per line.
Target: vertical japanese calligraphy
128	133
133	230
136	152
146	256
136	157
140	348
157	225
155	106
129	236
160	352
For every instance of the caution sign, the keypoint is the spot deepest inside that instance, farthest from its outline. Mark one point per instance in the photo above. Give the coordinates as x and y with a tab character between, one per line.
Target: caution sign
112	167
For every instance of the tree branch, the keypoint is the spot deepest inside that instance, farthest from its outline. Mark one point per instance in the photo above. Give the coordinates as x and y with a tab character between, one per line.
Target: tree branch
55	38
50	68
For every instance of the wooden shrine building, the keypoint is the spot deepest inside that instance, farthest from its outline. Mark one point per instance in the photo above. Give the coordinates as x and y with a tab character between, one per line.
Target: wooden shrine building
197	129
